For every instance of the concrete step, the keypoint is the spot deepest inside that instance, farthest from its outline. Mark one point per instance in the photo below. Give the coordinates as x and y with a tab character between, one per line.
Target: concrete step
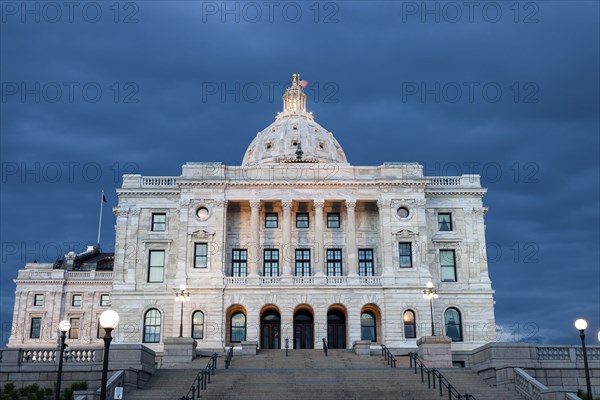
308	374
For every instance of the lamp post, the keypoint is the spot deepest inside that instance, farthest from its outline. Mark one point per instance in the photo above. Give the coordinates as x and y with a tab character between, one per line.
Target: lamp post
581	325
430	293
182	296
108	321
63	327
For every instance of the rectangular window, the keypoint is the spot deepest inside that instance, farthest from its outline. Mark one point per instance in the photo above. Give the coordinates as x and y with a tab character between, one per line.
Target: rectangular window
271	220
365	262
444	222
76	300
100	332
74	331
38	300
36	328
239	262
334	262
271	262
159	222
105	300
156	266
302	262
405	251
200	255
448	265
333	220
301	220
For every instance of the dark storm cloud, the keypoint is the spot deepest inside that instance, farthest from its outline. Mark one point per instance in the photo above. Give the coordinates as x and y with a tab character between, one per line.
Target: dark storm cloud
382	77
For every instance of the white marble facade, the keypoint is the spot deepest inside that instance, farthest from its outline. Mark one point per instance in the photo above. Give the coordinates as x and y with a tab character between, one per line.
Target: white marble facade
280	209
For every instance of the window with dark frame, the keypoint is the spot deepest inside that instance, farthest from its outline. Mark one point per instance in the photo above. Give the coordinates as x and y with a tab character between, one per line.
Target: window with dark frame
159	222
405	251
302	262
368	330
239	262
156	266
238	327
100	331
334	262
410	324
271	262
200	255
365	262
302	220
444	222
198	325
152	326
105	300
447	265
38	300
271	220
453	324
36	328
74	330
76	300
333	220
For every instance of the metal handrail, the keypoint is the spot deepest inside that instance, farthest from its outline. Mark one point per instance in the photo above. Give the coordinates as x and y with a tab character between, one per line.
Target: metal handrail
389	357
433	376
325	346
228	357
202	379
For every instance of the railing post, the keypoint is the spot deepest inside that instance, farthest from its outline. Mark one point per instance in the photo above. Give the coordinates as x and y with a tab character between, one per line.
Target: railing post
440	383
429	379
287	345
422	380
433	379
449	391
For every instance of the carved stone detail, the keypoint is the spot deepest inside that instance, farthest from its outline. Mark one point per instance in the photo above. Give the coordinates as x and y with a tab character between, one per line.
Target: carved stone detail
286	203
255	203
351	203
319	203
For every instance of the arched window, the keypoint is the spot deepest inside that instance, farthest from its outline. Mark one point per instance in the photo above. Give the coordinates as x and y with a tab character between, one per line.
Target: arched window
453	324
367	326
410	325
152	326
238	327
198	325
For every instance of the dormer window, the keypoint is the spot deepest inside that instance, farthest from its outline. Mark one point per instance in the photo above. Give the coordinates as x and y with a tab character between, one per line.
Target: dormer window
295	142
268	145
295	127
322	145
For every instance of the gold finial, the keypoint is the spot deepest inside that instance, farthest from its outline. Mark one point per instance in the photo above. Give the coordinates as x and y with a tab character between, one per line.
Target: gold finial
294	83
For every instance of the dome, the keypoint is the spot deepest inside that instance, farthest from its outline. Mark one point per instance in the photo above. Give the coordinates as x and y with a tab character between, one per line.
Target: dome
295	136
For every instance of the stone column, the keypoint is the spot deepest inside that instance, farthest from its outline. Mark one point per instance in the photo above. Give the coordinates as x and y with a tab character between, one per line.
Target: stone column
287	237
385	238
221	241
319	245
254	248
351	238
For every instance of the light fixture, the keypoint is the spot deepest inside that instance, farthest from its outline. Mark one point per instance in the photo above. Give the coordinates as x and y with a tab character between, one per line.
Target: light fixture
430	293
182	295
63	327
581	325
108	320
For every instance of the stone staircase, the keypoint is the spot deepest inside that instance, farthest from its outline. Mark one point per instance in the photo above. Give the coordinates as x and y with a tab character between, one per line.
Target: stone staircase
308	374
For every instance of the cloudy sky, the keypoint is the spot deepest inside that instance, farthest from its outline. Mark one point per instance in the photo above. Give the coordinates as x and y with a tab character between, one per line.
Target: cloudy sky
508	90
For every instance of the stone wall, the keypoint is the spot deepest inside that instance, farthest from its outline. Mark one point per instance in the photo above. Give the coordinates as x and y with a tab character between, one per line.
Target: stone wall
27	366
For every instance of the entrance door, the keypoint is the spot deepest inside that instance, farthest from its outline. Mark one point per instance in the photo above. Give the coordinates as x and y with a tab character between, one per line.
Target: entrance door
336	329
303	330
270	328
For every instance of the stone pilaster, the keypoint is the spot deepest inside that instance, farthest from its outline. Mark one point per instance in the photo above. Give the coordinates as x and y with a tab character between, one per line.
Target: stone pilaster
254	247
319	245
351	237
287	237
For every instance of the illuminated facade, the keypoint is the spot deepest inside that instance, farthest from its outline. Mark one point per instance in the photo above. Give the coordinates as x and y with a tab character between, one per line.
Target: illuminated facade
295	243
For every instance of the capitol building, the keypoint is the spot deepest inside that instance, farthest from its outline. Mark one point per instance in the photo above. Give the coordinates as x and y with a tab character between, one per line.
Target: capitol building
295	244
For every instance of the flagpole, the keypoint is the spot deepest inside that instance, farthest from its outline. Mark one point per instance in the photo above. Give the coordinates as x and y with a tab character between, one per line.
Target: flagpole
100	219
